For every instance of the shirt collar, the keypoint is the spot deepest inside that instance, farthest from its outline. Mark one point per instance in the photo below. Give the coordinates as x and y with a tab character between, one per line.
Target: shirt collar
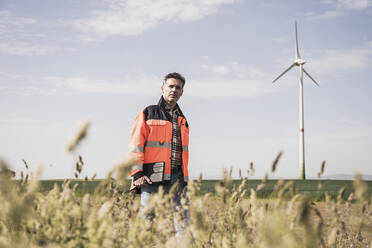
164	106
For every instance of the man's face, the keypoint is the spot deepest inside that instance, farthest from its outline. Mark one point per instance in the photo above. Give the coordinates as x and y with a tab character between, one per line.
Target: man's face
172	91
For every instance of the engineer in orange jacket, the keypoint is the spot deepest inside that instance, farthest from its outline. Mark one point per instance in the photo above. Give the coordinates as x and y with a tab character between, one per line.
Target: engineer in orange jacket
160	134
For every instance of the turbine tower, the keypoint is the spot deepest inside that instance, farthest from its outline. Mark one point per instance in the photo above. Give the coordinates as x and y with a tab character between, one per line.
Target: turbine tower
300	63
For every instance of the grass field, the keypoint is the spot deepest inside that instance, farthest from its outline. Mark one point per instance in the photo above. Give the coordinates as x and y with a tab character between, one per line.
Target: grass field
225	213
315	188
220	213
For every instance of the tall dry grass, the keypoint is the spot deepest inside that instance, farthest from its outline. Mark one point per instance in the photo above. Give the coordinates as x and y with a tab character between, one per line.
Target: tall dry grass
111	217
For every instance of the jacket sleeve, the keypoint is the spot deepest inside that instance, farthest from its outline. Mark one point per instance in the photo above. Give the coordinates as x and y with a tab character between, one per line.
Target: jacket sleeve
138	138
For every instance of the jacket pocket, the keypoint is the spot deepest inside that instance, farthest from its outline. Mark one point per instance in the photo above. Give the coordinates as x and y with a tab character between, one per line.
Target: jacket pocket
158	130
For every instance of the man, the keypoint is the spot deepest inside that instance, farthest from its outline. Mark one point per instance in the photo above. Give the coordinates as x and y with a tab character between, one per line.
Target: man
161	134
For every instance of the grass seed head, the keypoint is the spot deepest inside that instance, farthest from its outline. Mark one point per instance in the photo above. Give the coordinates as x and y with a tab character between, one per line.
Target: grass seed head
360	188
266	176
25	163
80	135
322	166
260	187
251	167
275	162
304	211
341	195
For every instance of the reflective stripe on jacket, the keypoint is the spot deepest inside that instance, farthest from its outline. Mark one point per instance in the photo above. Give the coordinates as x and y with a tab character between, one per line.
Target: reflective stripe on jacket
151	139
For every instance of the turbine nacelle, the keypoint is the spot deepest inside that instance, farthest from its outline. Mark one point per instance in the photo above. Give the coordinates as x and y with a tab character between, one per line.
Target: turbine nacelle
300	62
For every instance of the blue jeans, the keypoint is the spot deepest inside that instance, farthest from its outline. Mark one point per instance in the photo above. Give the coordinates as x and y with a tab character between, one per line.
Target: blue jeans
178	195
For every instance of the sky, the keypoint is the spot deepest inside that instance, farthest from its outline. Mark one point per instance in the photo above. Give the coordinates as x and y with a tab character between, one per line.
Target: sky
65	62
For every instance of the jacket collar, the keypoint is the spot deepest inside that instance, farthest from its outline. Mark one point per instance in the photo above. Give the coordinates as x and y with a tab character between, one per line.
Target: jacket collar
163	105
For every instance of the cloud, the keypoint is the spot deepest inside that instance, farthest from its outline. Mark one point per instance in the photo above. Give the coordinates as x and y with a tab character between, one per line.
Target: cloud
20	121
227	88
340	8
353	4
17	39
327	15
239	81
23	48
6	18
149	85
226	80
212	87
218	69
341	61
231	79
234	69
142	85
278	39
27	85
134	17
350	4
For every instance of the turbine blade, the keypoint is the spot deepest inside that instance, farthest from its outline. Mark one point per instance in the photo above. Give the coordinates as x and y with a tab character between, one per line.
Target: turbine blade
310	76
284	72
297	50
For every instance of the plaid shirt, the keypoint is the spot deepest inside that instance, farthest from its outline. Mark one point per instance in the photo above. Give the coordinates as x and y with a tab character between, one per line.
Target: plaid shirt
176	158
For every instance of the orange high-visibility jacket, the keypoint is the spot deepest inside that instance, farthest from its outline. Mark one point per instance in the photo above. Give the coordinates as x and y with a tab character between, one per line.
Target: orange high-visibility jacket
151	139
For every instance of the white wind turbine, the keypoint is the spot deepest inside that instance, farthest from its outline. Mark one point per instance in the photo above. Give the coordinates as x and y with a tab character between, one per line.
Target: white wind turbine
300	62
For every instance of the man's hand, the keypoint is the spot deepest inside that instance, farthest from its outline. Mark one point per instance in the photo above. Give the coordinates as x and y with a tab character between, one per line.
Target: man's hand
140	182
